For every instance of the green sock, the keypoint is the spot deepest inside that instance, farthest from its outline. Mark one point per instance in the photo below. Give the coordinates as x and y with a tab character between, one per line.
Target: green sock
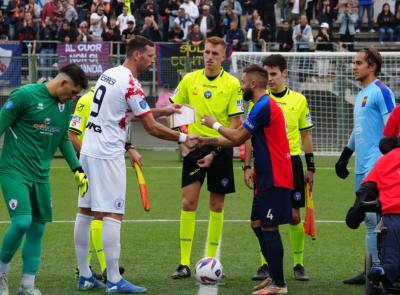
91	248
13	236
186	233
263	261
296	234
215	225
32	250
96	232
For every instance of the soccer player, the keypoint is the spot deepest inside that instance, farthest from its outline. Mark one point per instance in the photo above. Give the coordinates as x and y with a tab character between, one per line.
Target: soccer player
210	91
118	96
299	124
373	105
273	171
35	122
76	132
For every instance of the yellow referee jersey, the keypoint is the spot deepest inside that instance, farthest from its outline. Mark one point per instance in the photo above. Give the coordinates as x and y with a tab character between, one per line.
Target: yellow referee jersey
81	115
220	98
297	116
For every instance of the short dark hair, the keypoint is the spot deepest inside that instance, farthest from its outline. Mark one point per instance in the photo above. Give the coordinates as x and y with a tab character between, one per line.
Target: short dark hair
76	74
138	43
259	71
373	57
275	60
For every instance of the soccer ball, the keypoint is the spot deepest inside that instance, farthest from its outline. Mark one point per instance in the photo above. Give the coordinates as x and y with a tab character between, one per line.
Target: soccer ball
208	271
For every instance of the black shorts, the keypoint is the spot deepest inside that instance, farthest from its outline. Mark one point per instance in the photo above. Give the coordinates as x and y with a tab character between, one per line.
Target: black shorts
298	195
272	207
220	178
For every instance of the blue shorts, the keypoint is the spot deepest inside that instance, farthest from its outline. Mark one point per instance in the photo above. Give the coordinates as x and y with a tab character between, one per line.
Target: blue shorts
273	207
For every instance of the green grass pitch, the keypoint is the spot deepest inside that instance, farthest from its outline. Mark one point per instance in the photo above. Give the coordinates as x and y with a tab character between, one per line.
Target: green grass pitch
150	240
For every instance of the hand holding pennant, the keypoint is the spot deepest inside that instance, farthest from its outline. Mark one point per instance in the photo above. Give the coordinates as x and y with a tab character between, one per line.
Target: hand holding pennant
143	188
309	221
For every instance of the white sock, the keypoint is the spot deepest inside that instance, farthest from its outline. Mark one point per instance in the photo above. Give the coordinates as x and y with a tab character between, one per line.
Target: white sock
28	281
112	247
4	267
82	240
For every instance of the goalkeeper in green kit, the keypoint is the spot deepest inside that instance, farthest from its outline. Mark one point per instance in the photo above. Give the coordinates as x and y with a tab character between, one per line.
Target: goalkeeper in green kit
35	121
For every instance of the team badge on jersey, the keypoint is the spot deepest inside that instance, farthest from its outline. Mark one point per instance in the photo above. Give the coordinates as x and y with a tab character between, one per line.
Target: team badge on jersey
61	107
75	120
224	182
143	104
208	94
364	101
13	204
40	106
119	203
9	105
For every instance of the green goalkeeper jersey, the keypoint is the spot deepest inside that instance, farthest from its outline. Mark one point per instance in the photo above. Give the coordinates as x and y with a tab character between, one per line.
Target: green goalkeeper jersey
35	124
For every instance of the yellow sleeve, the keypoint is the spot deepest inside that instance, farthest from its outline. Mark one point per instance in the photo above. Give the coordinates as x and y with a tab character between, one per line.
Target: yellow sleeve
235	107
305	120
181	92
81	115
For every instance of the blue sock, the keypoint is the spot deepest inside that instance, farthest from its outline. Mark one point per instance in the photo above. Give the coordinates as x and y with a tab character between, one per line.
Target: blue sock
272	250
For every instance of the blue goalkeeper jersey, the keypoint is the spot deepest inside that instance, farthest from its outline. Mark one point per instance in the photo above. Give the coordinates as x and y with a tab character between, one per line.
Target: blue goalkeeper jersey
372	104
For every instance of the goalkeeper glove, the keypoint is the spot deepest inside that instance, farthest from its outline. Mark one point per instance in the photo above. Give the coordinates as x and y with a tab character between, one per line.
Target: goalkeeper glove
389	143
341	164
81	180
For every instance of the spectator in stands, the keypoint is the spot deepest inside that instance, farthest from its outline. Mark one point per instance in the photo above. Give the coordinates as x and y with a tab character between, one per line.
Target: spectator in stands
47	32
28	29
70	13
235	36
169	10
325	14
191	10
150	29
234	4
83	8
176	34
123	19
285	37
195	37
397	23
68	33
58	22
302	34
104	3
15	11
98	21
206	22
84	34
112	32
296	10
184	21
213	9
369	6
33	8
251	21
226	20
247	10
259	37
4	25
324	40
386	22
266	9
129	33
50	9
347	20
149	8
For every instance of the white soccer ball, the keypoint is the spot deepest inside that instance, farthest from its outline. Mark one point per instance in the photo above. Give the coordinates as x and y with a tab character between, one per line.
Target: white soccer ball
208	271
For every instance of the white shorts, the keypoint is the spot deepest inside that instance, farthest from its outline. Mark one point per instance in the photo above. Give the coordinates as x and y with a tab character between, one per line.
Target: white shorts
107	184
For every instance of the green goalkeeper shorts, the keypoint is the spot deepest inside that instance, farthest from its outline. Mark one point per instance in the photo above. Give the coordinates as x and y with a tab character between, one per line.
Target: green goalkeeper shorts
24	197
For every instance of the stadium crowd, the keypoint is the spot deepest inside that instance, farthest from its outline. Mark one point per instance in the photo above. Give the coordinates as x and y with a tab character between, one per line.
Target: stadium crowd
253	22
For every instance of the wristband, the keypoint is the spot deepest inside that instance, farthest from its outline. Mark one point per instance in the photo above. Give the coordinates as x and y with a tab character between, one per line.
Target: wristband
215	152
129	146
216	125
310	162
182	137
245	167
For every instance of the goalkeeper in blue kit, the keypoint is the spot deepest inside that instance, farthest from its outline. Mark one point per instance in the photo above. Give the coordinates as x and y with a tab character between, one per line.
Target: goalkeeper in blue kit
35	121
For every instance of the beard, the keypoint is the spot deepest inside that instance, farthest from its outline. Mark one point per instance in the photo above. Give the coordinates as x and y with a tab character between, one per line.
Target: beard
247	95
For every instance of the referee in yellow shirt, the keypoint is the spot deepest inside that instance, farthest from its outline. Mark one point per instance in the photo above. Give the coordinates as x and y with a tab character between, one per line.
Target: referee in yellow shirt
299	124
211	91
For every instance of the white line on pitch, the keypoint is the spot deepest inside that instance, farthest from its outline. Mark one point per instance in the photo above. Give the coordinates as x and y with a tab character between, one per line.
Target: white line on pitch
179	167
177	220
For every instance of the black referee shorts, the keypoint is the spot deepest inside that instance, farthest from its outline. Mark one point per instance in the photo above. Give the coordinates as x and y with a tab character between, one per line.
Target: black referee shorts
220	177
298	195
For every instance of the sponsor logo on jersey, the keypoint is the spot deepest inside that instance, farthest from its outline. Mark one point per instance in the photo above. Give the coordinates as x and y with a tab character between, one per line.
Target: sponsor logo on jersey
76	120
224	182
119	203
40	106
13	204
107	79
208	94
61	107
9	105
364	101
297	196
309	119
46	127
239	103
80	107
143	104
94	127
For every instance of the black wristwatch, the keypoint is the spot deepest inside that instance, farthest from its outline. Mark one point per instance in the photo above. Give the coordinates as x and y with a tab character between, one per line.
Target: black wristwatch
245	167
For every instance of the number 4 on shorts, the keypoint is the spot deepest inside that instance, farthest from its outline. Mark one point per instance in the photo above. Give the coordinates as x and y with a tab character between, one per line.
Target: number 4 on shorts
269	214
